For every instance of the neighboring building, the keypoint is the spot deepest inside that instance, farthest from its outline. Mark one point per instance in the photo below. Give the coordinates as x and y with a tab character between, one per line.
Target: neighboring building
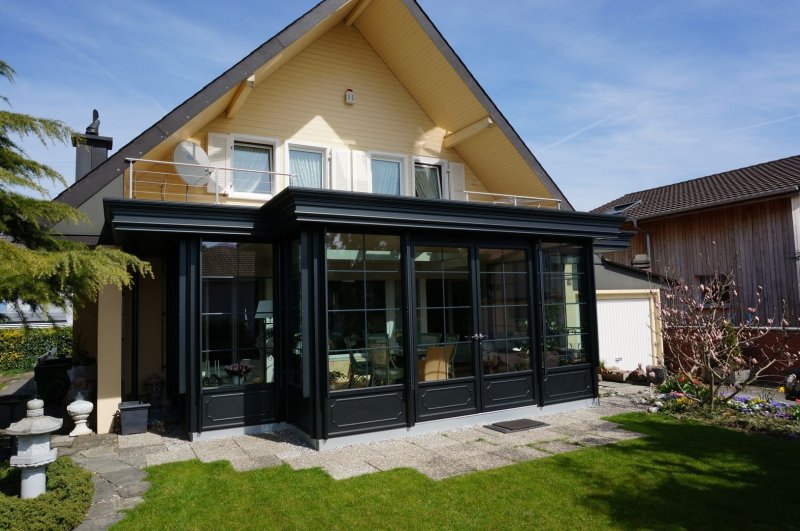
10	317
629	331
744	221
369	250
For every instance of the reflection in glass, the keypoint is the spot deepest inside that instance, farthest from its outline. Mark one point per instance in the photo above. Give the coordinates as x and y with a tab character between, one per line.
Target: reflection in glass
364	310
565	311
237	314
504	310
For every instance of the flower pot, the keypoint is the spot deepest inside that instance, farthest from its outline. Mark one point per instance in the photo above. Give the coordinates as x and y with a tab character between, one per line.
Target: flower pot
133	417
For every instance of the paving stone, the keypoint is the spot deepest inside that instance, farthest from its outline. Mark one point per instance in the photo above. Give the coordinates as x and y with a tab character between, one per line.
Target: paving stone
179	453
137	461
520	453
390	462
254	463
255	446
61	441
302	462
594	440
99	452
139	439
103	508
104	465
126	476
349	470
103	489
224	449
466	450
133	490
570	430
100	524
486	461
464	435
433	441
141	450
556	447
398	446
123	504
441	468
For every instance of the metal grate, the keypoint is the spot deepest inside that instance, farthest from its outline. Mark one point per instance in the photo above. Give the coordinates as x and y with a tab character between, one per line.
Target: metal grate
511	426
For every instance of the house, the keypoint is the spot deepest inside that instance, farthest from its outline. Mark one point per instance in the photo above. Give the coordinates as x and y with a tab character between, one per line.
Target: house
348	238
17	316
744	222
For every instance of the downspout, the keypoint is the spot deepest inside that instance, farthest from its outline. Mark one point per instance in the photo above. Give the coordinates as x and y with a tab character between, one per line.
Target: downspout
647	240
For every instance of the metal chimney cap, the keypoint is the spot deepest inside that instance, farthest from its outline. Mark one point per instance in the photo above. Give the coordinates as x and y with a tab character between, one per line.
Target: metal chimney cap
94	127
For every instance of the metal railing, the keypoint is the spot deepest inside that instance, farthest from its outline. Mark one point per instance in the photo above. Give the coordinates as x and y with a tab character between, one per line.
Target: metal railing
515	200
171	186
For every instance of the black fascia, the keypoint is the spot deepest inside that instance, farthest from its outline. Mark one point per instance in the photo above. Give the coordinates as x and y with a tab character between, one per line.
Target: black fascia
128	216
300	206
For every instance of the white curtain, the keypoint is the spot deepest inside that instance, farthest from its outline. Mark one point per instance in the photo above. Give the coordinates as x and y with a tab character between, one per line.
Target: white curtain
249	157
426	180
306	167
385	177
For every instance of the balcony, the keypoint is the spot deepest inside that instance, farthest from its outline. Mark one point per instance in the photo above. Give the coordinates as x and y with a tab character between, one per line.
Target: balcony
157	180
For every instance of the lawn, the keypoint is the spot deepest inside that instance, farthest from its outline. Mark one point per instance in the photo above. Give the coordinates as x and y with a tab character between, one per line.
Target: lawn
683	476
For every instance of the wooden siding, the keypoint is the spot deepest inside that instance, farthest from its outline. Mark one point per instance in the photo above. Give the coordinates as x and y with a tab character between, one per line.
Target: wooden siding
303	102
754	240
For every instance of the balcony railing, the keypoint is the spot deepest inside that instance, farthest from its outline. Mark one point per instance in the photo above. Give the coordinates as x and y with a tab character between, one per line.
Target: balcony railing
515	200
157	179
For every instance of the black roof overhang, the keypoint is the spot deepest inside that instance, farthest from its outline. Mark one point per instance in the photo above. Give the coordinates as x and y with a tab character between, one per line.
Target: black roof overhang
294	208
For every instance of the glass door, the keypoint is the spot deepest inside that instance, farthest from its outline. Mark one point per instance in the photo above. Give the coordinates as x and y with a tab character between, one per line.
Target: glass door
504	339
443	332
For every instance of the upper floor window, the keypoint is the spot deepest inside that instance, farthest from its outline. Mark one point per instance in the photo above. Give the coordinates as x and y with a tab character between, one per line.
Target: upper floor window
386	175
256	157
428	180
307	166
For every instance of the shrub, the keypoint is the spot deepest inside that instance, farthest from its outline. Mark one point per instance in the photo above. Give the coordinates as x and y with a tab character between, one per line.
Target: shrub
692	389
19	347
62	506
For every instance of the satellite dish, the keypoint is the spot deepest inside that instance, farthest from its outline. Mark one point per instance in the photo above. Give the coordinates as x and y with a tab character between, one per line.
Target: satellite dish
187	152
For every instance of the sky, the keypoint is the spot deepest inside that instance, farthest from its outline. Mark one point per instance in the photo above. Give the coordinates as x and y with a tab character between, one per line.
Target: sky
611	96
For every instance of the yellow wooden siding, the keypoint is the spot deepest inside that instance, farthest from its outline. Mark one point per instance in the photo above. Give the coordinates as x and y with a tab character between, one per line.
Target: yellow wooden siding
397	37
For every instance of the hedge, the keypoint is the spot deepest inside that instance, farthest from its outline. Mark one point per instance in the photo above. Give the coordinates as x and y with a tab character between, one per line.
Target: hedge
19	347
62	506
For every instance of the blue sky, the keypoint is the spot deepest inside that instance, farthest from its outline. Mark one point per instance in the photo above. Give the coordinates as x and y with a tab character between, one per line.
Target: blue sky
611	96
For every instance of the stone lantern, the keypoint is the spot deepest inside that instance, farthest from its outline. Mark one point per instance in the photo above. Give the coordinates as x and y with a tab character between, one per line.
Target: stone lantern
33	448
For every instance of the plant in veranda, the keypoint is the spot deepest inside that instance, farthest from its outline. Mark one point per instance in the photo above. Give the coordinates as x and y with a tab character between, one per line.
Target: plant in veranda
713	337
37	267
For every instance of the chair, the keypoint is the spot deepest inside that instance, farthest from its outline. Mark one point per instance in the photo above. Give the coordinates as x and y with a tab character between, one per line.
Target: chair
357	368
437	363
384	368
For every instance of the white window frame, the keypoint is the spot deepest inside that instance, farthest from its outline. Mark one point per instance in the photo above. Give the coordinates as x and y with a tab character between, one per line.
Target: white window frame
391	157
273	143
445	174
313	147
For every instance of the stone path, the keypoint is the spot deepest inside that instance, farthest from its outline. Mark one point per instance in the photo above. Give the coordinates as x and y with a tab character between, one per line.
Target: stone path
117	461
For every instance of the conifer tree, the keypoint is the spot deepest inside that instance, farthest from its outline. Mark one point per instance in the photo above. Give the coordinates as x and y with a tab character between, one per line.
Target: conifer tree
37	267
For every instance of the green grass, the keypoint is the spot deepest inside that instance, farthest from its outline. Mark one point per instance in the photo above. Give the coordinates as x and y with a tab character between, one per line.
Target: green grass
682	476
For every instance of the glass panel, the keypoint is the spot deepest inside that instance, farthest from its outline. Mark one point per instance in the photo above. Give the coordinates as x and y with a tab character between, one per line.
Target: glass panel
367	285
255	260
517	321
516	288
565	350
457	290
427	181
562	258
219	259
218	296
382	252
306	168
218	331
455	259
385	176
515	261
458	322
494	322
430	290
252	157
344	251
491	260
495	356
345	290
427	258
212	368
491	289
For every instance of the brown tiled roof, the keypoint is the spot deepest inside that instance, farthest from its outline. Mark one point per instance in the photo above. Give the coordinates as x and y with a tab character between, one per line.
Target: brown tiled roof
762	180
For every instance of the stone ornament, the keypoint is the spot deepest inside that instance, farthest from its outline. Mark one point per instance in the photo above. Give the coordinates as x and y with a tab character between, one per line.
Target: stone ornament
33	448
80	410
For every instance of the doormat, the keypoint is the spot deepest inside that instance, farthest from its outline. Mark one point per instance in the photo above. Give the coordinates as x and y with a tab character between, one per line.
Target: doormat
511	426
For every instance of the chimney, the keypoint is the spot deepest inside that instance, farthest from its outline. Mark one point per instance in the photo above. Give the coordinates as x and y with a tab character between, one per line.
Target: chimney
91	149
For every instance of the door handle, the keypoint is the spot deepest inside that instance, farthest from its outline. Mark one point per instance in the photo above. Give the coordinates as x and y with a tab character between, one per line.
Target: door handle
478	337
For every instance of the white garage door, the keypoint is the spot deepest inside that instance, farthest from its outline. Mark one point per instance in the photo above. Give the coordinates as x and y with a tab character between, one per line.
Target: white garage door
624	333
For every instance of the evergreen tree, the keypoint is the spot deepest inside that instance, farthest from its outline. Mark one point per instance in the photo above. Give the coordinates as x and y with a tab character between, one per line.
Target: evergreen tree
36	266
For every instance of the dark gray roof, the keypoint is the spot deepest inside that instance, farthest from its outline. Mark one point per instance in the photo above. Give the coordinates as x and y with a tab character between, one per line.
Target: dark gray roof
767	179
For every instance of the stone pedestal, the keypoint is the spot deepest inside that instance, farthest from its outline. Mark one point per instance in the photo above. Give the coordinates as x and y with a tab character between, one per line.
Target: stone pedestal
33	448
80	410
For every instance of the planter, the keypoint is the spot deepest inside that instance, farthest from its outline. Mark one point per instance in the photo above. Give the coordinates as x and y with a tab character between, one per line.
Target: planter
52	380
660	375
133	417
615	376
